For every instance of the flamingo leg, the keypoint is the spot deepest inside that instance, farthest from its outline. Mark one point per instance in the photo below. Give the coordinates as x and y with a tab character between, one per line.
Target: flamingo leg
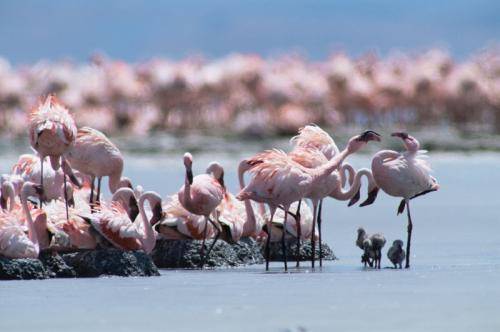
202	249
283	242
98	198
410	228
268	241
313	240
299	234
41	180
319	231
216	237
92	184
66	196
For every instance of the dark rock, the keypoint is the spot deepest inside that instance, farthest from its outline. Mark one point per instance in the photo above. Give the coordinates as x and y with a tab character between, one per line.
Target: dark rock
186	253
22	268
56	266
305	252
111	261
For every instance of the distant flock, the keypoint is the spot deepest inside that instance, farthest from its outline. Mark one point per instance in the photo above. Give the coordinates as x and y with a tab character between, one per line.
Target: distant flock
52	200
248	94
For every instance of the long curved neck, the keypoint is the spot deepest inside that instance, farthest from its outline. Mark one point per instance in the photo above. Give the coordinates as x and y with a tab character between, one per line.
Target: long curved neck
114	181
323	171
347	173
32	234
250	226
187	189
148	242
343	195
383	156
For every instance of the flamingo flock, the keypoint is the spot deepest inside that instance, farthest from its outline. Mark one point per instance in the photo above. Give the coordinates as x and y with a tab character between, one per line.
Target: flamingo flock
42	210
248	94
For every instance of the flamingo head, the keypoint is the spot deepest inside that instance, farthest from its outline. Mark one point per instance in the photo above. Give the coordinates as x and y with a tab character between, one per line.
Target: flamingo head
125	182
7	191
358	141
398	243
155	202
217	171
410	142
188	163
361	231
31	189
367	243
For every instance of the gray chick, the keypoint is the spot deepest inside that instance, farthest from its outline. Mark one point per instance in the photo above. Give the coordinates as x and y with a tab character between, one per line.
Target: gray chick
372	246
365	259
397	254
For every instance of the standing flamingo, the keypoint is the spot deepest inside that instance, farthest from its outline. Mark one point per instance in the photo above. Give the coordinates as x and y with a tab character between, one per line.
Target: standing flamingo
95	155
13	240
405	175
202	194
52	132
312	148
278	180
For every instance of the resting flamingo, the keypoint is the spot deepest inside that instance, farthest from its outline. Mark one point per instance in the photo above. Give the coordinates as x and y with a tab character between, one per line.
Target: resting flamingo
279	181
95	155
405	175
202	194
112	222
52	132
14	243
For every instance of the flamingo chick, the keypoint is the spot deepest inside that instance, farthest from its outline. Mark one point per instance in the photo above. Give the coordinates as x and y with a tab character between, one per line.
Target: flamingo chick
372	247
396	254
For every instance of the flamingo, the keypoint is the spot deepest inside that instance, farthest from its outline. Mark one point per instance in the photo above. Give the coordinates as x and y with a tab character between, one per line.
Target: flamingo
279	181
93	154
372	247
202	194
52	132
14	243
112	222
405	175
29	168
312	148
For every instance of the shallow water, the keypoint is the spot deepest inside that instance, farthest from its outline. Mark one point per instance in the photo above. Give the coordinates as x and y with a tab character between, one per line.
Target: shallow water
453	284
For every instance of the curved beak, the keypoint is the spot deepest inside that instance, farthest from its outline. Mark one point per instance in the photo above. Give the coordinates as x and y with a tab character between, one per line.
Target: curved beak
38	189
401	135
370	135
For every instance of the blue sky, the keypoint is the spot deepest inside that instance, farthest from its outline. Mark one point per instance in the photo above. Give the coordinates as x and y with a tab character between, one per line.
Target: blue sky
135	30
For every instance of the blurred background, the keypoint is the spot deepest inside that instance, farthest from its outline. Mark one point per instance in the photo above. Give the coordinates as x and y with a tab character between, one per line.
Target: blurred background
257	68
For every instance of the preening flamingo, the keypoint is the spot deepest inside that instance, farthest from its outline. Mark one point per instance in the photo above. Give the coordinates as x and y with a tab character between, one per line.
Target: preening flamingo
202	194
95	155
279	181
405	175
52	132
113	223
14	243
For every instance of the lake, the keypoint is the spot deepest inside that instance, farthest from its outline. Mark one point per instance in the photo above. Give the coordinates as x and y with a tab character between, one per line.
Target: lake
453	285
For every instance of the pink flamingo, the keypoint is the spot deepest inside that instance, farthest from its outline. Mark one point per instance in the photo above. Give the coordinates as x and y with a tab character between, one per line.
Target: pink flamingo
95	155
14	243
202	194
405	175
114	224
312	148
29	168
278	180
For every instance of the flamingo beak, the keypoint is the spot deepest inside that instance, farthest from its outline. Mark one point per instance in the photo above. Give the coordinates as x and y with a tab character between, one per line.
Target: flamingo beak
370	135
38	189
401	135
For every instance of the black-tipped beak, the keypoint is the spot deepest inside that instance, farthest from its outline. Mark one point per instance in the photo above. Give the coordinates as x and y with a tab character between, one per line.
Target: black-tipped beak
370	135
221	180
157	214
3	203
38	189
75	180
401	135
189	174
133	208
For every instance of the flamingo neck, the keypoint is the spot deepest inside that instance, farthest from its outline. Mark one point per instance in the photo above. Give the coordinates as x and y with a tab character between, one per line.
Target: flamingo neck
115	181
32	234
250	227
343	195
321	172
186	199
148	242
